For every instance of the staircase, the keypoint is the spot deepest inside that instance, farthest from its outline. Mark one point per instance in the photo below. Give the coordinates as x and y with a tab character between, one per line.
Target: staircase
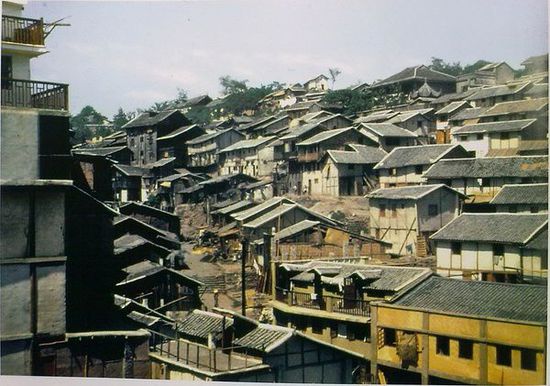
421	246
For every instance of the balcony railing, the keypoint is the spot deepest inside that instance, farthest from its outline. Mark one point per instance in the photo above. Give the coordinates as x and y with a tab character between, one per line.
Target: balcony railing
22	30
309	157
357	307
35	94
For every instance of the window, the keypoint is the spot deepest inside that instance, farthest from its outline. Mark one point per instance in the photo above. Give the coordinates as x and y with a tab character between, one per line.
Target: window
504	136
465	349
442	345
529	359
498	250
479	136
418	124
418	169
342	331
433	210
390	337
456	248
504	356
316	326
382	210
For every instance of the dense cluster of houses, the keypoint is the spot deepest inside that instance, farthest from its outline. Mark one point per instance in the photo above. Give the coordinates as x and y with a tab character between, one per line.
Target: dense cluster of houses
94	282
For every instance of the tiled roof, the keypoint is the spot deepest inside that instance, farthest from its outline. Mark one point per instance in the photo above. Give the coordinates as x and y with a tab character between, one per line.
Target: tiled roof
510	228
323	136
469	113
452	107
200	324
406	115
526	166
132	171
233	207
209	136
538	90
247	144
264	338
100	151
266	205
181	130
421	72
513	107
520	302
522	194
494	127
295	229
361	154
408	192
375	116
161	162
453	97
495	91
149	119
141	270
539	241
272	214
387	130
413	155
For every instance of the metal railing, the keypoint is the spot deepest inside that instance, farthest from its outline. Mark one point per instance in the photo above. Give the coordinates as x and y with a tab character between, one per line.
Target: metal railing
35	94
22	30
357	307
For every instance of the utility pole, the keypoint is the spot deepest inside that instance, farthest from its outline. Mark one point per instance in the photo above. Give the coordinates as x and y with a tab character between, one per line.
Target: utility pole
244	254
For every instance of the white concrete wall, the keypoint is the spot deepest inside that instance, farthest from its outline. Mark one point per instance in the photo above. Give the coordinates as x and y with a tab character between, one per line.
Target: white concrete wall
404	176
19	143
471	143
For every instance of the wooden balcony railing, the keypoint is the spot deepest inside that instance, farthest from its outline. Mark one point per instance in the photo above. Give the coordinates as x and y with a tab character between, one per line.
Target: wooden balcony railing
357	307
35	94
22	30
309	157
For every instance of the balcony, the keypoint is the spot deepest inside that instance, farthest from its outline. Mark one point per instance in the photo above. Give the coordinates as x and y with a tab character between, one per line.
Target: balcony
309	156
22	30
356	307
35	94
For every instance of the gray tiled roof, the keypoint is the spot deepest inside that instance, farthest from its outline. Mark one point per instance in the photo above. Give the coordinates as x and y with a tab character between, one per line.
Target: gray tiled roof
142	269
323	136
100	151
247	144
522	194
201	323
264	338
508	228
469	113
362	154
233	207
421	72
519	302
387	130
495	91
451	107
528	105
149	119
413	155
295	229
408	192
526	166
453	97
377	116
209	136
495	127
539	241
177	132
266	205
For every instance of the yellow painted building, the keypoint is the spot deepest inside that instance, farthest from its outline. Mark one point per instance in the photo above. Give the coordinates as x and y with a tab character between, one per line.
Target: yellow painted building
448	330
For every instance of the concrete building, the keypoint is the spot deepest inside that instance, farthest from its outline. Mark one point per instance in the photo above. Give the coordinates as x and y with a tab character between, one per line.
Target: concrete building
482	178
144	130
404	165
509	247
319	83
407	216
521	198
250	156
447	331
203	150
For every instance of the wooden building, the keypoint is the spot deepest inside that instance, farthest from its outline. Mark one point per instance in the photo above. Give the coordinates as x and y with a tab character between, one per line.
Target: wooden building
494	247
174	144
203	150
407	216
253	157
521	198
387	135
411	79
489	96
157	218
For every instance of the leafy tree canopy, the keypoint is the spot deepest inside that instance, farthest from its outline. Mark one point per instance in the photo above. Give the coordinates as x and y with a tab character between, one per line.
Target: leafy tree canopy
354	101
88	115
120	119
232	86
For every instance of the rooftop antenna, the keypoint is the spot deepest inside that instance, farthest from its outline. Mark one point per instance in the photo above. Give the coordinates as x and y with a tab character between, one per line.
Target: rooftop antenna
49	27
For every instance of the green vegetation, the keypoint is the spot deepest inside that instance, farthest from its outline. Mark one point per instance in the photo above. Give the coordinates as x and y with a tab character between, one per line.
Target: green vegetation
88	115
354	101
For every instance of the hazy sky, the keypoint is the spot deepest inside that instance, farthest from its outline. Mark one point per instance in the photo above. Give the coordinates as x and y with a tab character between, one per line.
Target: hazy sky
132	54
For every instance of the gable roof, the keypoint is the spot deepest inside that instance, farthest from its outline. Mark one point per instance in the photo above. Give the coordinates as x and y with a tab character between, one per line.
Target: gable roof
360	154
304	129
420	72
245	214
539	241
452	107
126	209
521	302
404	116
100	151
469	113
382	115
180	131
247	144
209	136
496	91
387	130
201	99
409	192
522	194
519	166
325	135
200	324
414	155
494	127
131	171
509	228
239	205
150	118
513	107
265	338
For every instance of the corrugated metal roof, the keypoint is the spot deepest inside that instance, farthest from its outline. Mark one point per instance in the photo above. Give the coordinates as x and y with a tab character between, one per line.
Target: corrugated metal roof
508	228
413	155
478	298
494	167
522	194
494	127
200	324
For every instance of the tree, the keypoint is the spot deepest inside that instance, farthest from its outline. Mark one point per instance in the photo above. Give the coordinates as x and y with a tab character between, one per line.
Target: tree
232	86
334	72
120	119
354	101
447	68
199	115
88	115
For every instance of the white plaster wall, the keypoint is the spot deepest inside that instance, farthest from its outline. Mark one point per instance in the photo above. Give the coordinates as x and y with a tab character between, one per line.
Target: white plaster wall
19	143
